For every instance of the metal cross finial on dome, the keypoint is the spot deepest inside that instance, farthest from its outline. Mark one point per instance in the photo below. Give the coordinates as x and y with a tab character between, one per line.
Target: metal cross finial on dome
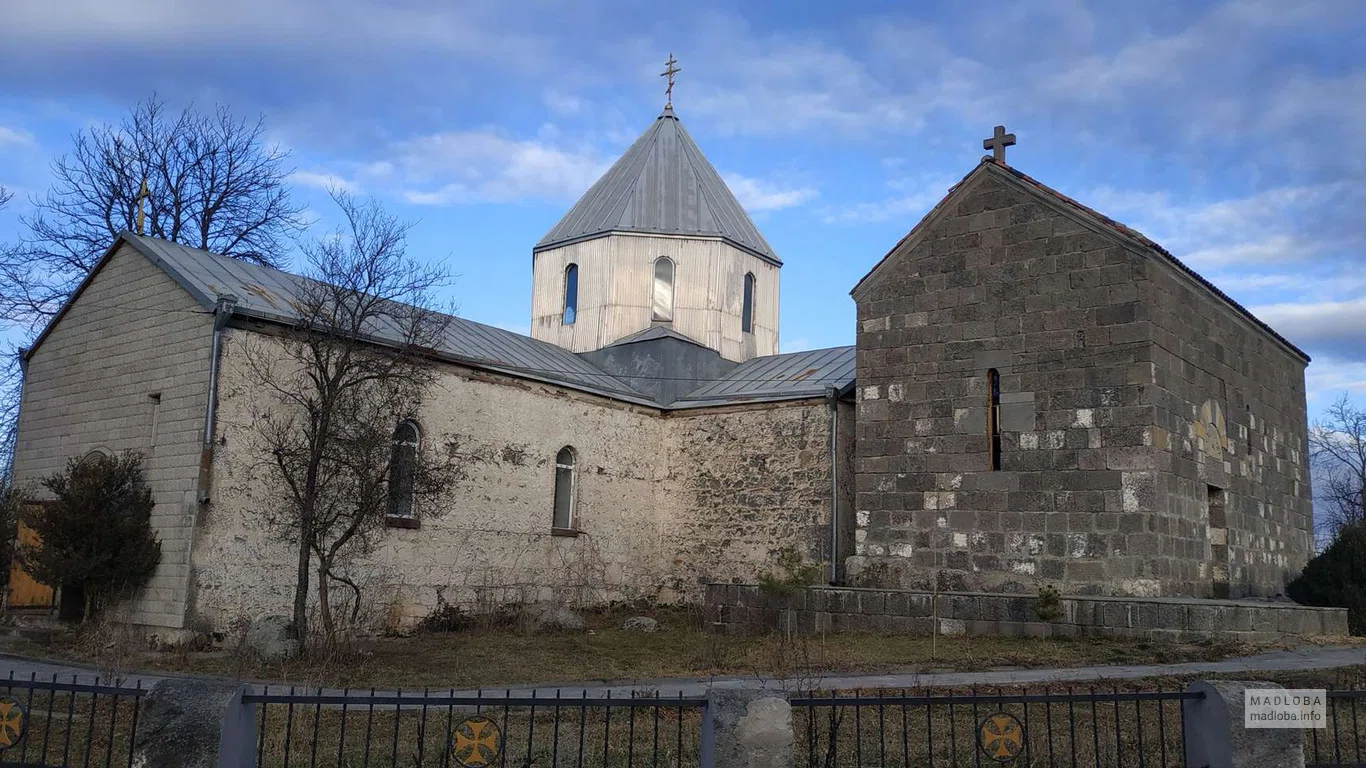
998	143
669	71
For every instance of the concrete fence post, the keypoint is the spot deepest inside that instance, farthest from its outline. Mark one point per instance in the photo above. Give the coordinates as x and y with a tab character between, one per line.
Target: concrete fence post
747	728
1215	736
195	724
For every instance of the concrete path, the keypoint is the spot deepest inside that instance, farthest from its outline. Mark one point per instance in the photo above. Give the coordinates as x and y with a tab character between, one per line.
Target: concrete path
1308	658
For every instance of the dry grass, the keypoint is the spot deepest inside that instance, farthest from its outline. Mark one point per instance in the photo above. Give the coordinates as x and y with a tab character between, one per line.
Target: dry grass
491	657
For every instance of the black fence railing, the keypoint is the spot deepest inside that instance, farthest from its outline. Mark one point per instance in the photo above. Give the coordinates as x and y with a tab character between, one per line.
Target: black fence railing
61	722
1084	727
1338	743
433	729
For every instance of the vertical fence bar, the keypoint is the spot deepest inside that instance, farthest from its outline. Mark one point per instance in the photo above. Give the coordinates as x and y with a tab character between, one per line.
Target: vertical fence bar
631	731
70	720
607	727
905	732
90	727
1138	715
137	709
929	727
1162	726
261	732
289	726
1072	726
398	715
555	736
422	727
531	727
1048	724
28	707
341	737
976	752
507	701
1095	726
369	727
1337	737
317	720
583	726
113	729
1029	735
1119	741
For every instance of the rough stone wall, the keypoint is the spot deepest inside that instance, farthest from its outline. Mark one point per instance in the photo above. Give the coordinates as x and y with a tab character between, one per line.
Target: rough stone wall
131	334
1232	427
745	607
744	484
663	504
1115	376
1000	281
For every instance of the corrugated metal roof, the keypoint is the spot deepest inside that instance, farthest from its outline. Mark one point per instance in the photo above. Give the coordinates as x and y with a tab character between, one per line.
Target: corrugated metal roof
663	184
777	377
267	294
655	332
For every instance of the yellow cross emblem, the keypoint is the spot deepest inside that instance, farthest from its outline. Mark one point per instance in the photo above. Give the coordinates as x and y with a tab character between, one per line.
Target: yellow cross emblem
13	720
477	742
1001	737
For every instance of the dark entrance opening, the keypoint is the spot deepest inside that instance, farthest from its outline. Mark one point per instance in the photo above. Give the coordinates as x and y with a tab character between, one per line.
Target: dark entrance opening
72	605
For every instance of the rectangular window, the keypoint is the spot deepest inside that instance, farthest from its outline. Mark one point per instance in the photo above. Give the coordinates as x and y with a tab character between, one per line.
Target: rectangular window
994	418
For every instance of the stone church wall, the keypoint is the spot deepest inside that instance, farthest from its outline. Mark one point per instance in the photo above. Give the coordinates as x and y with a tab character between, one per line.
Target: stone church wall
1087	497
131	337
663	504
1230	410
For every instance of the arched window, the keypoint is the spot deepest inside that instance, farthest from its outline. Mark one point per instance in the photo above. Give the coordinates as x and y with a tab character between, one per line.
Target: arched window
994	418
564	490
403	469
747	311
664	290
571	293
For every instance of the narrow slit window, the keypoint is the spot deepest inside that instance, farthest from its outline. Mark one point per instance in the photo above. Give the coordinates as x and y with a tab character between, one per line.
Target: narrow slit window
403	469
994	418
571	293
564	489
747	311
663	304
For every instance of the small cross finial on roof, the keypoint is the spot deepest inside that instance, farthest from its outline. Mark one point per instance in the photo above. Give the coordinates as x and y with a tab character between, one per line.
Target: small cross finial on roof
670	70
998	143
141	200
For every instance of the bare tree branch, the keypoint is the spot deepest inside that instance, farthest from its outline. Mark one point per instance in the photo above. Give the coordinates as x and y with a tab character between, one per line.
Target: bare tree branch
356	364
214	181
1337	449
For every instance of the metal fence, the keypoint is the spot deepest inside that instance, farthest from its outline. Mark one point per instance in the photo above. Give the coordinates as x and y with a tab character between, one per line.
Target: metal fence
1339	742
56	723
434	729
1047	728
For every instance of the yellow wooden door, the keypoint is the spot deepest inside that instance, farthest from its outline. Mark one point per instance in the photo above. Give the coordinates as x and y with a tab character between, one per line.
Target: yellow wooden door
24	592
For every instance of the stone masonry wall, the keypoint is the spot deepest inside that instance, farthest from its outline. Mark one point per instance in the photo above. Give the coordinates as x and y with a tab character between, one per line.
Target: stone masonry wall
662	505
745	607
1232	428
1001	281
133	333
743	484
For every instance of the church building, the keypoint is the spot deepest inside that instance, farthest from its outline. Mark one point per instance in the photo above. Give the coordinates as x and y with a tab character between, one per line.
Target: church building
1037	395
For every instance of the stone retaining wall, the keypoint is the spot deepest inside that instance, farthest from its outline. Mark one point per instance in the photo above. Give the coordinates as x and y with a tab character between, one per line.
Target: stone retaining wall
745	607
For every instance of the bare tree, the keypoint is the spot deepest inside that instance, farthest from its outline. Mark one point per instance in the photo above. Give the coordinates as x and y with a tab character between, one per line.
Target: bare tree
213	183
10	378
1337	448
355	365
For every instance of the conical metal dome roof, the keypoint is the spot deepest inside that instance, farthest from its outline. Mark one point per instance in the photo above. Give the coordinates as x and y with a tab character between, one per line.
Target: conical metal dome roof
662	185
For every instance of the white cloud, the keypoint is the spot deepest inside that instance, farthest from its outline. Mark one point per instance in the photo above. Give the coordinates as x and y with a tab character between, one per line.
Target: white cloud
562	103
915	197
479	166
15	136
1339	327
324	180
760	195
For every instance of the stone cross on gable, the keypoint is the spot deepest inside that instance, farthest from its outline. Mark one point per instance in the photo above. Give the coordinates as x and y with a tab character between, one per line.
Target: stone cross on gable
998	143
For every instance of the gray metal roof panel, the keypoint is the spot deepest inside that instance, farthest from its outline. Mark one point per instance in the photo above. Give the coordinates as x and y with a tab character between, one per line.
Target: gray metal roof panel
655	332
778	377
663	184
267	294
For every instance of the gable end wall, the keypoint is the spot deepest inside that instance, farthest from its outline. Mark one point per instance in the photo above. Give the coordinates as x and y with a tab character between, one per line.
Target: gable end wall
131	333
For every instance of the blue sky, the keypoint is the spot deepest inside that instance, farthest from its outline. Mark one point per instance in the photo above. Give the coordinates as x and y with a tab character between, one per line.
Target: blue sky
1233	133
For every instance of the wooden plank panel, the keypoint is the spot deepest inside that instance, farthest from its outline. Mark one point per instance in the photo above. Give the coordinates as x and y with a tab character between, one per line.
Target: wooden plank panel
24	592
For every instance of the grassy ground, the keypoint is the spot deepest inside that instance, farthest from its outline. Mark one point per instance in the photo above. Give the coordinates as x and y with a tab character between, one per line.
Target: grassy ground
492	657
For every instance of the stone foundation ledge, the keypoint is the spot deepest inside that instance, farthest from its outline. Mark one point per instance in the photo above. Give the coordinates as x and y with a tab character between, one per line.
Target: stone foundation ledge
745	607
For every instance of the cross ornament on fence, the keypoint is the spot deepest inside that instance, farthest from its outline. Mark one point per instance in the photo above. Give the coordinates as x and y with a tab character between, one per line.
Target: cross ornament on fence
998	143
